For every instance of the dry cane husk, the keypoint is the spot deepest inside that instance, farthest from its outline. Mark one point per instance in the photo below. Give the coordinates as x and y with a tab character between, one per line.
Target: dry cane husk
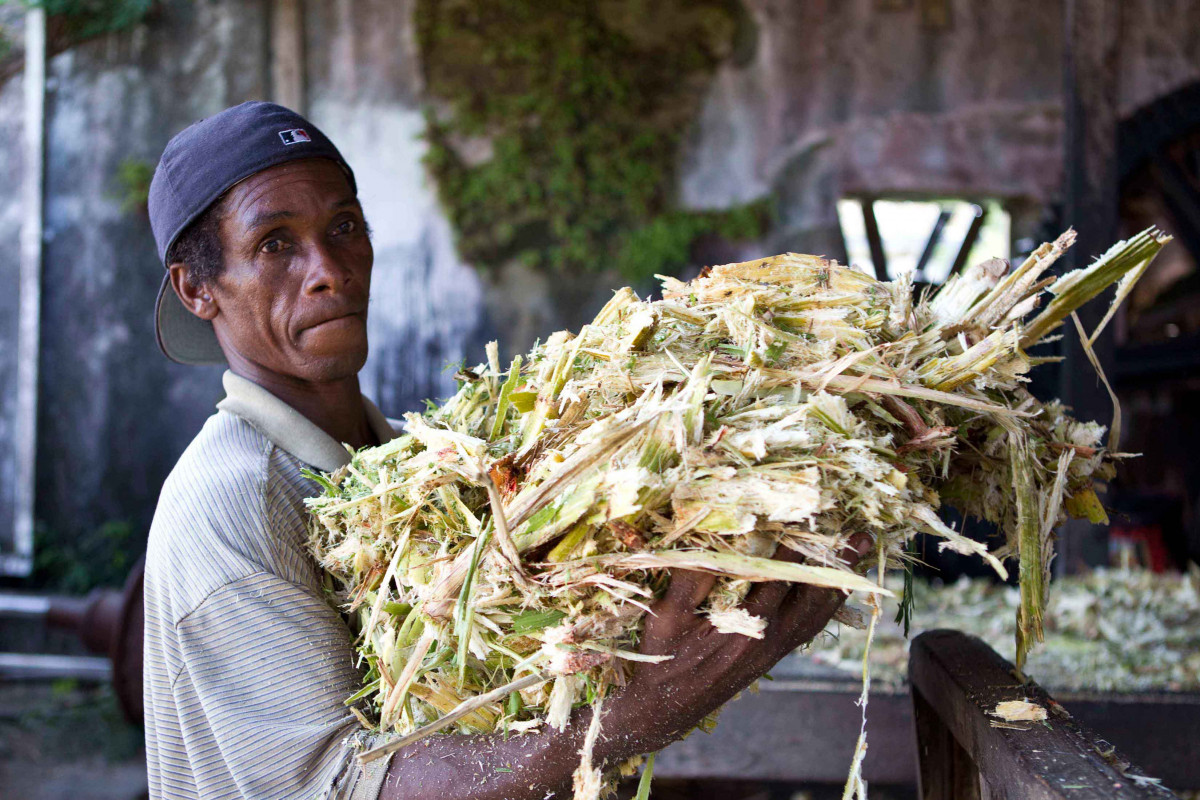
519	530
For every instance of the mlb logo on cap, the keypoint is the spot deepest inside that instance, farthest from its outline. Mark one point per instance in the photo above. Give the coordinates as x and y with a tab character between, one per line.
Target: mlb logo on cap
295	136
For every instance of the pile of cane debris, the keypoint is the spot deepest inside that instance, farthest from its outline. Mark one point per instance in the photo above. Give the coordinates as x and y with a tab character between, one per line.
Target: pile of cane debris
500	555
1112	630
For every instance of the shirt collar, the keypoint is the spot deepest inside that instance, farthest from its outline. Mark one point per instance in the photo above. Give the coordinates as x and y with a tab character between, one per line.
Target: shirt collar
288	428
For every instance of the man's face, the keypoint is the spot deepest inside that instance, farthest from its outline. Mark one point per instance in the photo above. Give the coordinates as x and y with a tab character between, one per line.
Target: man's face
292	297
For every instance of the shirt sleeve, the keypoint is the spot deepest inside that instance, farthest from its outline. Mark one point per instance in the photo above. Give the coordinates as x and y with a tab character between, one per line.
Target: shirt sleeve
267	666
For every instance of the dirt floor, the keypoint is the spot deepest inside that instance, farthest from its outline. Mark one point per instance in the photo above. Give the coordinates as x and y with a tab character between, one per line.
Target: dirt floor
67	741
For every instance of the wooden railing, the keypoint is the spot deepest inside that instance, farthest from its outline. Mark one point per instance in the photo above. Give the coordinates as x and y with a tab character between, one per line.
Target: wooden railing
968	752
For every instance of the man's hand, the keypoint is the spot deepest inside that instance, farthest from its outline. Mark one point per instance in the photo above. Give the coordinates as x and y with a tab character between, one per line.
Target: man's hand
661	702
666	700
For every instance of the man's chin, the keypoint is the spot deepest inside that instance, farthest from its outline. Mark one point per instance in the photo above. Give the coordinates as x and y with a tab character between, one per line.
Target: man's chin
336	367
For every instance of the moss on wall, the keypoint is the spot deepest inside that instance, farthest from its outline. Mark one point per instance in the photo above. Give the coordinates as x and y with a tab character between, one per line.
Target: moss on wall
555	126
82	19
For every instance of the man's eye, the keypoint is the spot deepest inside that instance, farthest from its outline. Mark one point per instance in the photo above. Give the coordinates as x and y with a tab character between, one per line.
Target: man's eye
272	246
349	226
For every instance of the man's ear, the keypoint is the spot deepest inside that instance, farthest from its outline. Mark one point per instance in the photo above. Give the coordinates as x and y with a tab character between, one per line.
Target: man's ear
196	298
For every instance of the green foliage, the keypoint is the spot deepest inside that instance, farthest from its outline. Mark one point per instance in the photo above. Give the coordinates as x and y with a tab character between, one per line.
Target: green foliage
74	720
77	565
583	104
133	176
85	18
908	598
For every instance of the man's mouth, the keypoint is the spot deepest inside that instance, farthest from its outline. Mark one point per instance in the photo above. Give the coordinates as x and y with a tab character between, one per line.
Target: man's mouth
342	319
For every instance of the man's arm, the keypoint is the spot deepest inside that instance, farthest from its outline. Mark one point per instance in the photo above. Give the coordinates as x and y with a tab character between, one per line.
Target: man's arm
266	666
661	703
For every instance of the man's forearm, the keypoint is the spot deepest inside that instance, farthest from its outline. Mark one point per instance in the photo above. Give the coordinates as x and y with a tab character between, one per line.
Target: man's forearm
491	767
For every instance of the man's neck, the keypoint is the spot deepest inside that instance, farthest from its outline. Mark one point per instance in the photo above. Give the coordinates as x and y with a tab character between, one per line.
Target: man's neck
335	407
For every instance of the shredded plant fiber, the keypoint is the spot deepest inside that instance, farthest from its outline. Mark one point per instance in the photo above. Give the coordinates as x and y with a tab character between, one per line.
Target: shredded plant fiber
500	556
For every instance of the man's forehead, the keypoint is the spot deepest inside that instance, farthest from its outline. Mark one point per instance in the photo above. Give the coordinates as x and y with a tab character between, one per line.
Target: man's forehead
295	185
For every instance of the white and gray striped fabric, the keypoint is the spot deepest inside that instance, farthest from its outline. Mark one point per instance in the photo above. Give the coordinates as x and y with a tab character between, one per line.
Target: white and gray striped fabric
246	665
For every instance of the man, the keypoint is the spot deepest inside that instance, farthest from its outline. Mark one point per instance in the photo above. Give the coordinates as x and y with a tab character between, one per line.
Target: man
268	261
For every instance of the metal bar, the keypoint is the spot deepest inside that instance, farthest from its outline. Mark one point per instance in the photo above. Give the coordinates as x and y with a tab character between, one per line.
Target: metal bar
874	241
935	236
963	680
968	241
23	605
20	562
26	666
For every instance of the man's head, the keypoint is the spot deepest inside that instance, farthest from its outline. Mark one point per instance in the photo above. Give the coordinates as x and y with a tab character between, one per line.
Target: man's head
281	268
267	253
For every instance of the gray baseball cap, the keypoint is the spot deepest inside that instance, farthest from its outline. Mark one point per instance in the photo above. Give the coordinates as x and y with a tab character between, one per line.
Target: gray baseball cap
200	164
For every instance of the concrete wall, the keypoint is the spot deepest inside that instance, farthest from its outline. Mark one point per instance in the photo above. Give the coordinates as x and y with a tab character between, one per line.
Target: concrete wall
833	97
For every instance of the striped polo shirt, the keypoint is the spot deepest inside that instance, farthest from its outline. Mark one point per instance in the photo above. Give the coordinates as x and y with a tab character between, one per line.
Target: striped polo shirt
246	664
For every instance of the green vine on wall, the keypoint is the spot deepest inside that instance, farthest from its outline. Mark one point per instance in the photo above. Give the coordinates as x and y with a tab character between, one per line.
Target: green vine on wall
556	124
83	19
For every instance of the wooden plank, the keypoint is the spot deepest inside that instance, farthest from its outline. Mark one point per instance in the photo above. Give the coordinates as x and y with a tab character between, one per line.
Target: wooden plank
1091	195
288	85
804	730
962	680
945	770
801	731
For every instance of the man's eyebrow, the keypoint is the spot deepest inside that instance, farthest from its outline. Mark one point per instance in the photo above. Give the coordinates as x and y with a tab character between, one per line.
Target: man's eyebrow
263	220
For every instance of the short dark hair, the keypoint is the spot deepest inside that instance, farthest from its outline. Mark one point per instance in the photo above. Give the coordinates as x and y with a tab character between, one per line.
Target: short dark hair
199	246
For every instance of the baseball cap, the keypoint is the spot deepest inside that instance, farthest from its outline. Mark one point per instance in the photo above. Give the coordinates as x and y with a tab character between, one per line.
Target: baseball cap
200	164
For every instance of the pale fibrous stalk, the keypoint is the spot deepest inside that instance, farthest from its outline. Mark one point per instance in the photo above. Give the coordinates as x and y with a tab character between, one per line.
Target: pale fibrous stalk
501	555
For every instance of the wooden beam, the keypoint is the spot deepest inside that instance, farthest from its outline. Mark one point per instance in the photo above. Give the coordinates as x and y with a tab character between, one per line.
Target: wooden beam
288	84
1091	196
1182	199
959	680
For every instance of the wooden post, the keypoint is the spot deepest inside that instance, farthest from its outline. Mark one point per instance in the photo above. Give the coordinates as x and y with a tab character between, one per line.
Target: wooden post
957	682
20	561
288	85
1091	197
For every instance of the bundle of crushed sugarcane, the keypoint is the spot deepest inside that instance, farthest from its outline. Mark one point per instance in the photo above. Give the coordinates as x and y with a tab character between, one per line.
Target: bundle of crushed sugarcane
500	555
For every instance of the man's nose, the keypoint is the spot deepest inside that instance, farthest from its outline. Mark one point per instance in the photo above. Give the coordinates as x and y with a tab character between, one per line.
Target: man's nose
327	270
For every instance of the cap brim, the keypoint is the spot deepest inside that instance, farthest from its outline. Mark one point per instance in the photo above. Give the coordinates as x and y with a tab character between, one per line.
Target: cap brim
182	336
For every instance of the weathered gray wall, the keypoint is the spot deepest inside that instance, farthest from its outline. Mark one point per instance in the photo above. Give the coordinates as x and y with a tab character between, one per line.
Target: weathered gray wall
835	97
847	97
114	414
426	304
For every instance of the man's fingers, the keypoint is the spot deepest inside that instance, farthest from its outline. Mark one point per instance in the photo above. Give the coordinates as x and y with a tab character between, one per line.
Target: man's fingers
806	610
688	589
858	546
765	597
